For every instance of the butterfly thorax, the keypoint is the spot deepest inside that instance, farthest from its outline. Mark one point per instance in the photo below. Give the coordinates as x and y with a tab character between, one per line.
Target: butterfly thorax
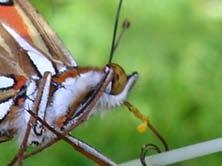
63	95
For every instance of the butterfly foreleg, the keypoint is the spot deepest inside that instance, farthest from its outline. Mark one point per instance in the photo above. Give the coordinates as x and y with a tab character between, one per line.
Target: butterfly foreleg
43	90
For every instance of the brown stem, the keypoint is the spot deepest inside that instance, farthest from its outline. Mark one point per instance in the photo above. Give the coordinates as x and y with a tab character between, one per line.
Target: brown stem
157	134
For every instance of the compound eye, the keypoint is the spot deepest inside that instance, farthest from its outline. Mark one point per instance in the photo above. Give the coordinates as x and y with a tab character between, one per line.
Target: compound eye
119	79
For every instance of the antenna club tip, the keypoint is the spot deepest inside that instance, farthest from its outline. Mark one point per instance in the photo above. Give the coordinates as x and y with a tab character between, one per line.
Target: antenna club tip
126	24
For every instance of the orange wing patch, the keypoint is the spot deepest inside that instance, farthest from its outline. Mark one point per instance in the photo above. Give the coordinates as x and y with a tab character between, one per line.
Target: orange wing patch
20	82
10	15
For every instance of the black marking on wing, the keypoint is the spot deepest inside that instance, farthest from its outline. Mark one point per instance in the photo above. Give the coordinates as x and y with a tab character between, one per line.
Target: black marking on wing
6	3
21	94
55	67
5	100
38	129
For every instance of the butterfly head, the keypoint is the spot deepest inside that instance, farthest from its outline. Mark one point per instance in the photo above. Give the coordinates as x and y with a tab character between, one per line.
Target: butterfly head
120	79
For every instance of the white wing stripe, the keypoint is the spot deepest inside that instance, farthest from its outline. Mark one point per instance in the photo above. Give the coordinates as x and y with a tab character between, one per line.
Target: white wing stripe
5	1
6	82
5	108
40	61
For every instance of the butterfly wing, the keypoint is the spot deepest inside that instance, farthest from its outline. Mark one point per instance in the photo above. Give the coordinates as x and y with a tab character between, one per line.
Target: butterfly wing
28	47
27	40
51	40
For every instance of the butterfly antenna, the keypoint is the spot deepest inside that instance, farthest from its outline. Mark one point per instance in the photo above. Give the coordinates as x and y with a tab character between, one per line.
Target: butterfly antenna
125	26
115	31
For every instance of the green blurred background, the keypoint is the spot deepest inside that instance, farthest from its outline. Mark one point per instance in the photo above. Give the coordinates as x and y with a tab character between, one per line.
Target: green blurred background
175	45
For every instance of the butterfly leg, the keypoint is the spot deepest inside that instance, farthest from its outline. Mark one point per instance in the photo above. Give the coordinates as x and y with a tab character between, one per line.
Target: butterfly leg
84	108
78	145
20	155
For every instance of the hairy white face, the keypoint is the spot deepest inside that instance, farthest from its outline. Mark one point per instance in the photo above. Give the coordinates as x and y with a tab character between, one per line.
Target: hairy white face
110	100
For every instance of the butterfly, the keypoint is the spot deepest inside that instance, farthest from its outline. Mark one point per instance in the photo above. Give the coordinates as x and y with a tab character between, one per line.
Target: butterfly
44	94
